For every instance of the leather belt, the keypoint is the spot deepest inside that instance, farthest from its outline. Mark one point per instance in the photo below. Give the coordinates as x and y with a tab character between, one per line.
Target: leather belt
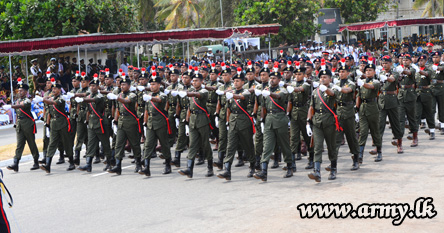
423	87
21	117
406	86
389	92
212	102
125	114
345	103
440	81
368	100
324	110
274	111
299	105
197	112
236	112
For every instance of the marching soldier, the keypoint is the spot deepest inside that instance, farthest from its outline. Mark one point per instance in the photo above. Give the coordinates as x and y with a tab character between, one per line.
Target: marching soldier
25	127
275	125
82	131
172	103
142	85
212	86
424	102
221	112
438	87
75	80
250	85
240	126
109	114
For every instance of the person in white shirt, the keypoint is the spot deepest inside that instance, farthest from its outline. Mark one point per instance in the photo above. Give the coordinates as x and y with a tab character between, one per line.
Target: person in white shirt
124	66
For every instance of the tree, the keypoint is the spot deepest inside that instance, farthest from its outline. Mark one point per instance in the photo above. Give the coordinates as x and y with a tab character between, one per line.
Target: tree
179	13
432	8
358	11
297	17
211	9
24	19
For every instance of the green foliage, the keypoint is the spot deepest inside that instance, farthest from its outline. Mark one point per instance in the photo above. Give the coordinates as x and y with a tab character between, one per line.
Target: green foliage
23	19
358	11
295	16
432	7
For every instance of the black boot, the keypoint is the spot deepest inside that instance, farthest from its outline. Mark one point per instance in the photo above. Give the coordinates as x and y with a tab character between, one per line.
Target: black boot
240	158
227	174
210	172
138	165
118	168
36	164
276	160
316	174
176	161
251	170
88	166
219	164
97	160
43	161
289	171
299	156
47	165
257	165
189	171
263	173
167	169
14	166
361	154
201	159
108	164
154	155
355	163
379	156
333	166
71	164
61	159
146	171
77	157
310	164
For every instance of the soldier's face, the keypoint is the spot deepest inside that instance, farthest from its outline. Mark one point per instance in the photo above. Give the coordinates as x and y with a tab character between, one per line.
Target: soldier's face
250	76
386	65
213	76
415	60
238	83
369	72
108	81
348	63
325	80
118	80
75	83
48	85
56	91
264	77
183	69
334	62
407	62
93	88
287	74
142	81
343	74
174	77
154	86
308	70
422	62
197	83
22	92
125	87
362	66
226	77
300	76
436	59
101	77
274	81
84	84
186	80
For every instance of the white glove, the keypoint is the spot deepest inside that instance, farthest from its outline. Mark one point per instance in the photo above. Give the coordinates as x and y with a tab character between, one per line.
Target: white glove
228	127
309	132
257	92
111	96
323	87
281	83
115	128
6	107
357	117
382	77
216	120
399	69
290	89
187	130
338	88
262	127
229	95
133	88
315	84
360	82
166	92
37	99
416	68
146	97
434	67
265	93
140	88
69	95
335	80
78	99
377	71
359	73
203	86
47	132
177	122
219	92
182	94
174	93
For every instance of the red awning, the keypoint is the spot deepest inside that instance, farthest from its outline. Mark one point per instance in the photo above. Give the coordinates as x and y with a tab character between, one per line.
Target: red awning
356	27
103	41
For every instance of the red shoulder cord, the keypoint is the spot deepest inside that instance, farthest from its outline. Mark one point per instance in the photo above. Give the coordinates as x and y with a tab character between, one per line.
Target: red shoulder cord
67	119
29	118
277	104
248	115
101	125
137	119
206	113
166	118
338	127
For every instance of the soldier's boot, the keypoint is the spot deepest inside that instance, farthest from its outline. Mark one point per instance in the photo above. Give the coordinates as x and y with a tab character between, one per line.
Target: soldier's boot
88	166
316	174
355	165
293	164
276	160
113	157
298	156
289	172
61	159
201	159
146	170
167	169
310	164
332	175
97	160
71	164
373	151
36	164
14	166
210	172
263	173
101	153
189	171
118	168
227	174
176	160
399	143
361	154
43	161
138	165
415	140
432	136
251	170
219	164
257	165
154	155
47	165
77	157
379	156
240	158
107	164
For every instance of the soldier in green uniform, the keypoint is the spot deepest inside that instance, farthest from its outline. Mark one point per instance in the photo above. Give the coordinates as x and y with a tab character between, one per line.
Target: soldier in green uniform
323	117
299	95
199	127
24	126
142	85
116	91
275	125
157	126
60	127
172	103
98	130
345	94
367	104
407	97
250	85
73	113
212	86
108	88
424	102
240	126
82	130
128	125
221	112
438	87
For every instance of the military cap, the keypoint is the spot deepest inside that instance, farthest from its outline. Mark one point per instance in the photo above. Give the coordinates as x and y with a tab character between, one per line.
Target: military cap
227	70
345	67
198	75
335	57
161	68
239	75
423	57
429	44
349	58
20	84
300	70
125	79
325	72
309	64
289	68
386	58
277	74
34	60
155	79
405	45
436	53
95	82
317	60
175	71
407	56
369	66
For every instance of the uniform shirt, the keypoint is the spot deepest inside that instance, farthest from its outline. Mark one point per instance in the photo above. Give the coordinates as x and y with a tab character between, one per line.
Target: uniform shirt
98	106
58	121
46	106
23	121
73	109
238	118
389	101
322	116
108	103
184	102
252	97
299	100
345	101
212	96
368	97
438	88
407	94
223	100
423	82
35	70
81	115
140	103
200	119
172	100
126	119
276	117
155	118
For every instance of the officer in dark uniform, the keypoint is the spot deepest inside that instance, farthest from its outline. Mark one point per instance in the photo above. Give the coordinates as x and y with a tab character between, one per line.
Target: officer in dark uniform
109	114
212	85
221	110
438	87
424	102
250	85
172	102
82	131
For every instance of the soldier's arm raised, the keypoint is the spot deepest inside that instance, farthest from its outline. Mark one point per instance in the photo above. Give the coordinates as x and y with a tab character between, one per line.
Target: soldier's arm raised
123	100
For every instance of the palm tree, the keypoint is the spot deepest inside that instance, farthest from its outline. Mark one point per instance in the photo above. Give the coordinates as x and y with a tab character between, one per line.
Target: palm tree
146	14
432	8
179	13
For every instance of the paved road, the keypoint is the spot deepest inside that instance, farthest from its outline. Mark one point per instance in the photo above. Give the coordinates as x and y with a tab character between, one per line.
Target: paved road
8	136
100	202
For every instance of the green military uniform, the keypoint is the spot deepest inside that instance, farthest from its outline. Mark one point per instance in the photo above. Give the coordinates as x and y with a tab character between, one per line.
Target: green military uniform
116	91
223	132
184	103
388	105
407	101
73	116
47	126
259	136
438	93
250	108
172	102
82	130
98	127
424	101
211	105
26	129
